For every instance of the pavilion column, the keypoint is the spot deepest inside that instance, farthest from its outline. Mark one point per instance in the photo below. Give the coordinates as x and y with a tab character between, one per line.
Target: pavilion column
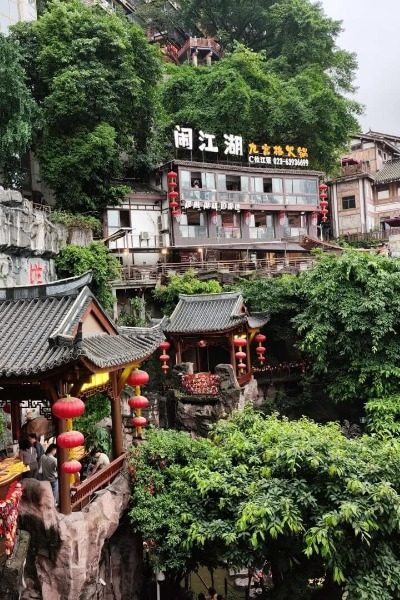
15	419
116	418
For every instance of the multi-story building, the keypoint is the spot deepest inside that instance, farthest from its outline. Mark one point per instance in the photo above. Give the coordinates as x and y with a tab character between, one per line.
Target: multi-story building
366	195
13	11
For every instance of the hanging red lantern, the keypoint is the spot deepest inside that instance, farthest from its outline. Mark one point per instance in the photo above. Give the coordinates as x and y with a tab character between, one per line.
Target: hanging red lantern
173	195
68	408
239	342
172	185
138	402
260	339
323	202
202	344
240	356
138	378
139	422
173	205
323	187
165	345
7	408
164	357
71	467
172	176
70	439
165	368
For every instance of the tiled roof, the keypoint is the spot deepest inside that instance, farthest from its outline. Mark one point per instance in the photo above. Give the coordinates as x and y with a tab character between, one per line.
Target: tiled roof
204	313
39	334
389	172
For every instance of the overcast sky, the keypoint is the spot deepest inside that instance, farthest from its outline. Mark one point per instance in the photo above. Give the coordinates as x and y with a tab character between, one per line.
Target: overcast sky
371	30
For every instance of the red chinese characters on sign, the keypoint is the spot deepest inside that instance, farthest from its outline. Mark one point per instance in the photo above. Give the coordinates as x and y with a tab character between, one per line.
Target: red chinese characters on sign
35	273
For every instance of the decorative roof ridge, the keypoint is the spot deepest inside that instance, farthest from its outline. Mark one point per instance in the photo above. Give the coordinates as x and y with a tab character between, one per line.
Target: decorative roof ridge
62	335
60	288
219	295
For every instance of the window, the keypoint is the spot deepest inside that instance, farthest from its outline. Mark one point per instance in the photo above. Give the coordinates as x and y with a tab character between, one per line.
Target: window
119	218
113	218
348	202
124	218
233	183
221	182
383	194
273	185
208	181
301	186
193	217
228	225
261	226
185	179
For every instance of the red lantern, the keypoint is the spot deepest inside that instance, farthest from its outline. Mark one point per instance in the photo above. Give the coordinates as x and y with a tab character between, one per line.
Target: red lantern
138	402
242	366
260	338
323	187
165	368
7	408
202	344
164	357
137	378
173	195
165	346
239	342
172	175
323	202
68	408
240	355
70	439
139	422
173	205
260	349
172	185
71	467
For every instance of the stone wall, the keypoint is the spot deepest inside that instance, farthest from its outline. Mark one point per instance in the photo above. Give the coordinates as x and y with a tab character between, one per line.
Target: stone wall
28	242
89	555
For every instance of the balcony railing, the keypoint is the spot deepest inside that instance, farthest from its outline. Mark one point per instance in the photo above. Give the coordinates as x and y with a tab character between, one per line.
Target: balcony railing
228	233
240	197
193	231
83	493
198	194
261	233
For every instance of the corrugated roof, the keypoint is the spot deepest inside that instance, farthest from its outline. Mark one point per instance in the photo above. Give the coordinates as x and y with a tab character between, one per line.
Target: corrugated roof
390	172
207	313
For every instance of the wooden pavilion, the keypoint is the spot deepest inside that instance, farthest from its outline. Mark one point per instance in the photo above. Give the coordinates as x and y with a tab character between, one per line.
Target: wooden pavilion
205	328
56	340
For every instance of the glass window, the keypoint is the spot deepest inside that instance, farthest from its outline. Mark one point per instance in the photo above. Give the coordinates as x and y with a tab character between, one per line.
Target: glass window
228	219
294	220
124	218
383	194
348	202
208	181
272	184
113	218
221	182
196	180
185	179
258	185
195	217
233	183
301	186
245	184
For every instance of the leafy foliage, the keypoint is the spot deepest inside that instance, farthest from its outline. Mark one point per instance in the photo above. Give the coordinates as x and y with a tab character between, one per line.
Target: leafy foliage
383	416
76	260
17	113
135	316
187	283
98	407
305	107
94	75
348	324
300	496
76	220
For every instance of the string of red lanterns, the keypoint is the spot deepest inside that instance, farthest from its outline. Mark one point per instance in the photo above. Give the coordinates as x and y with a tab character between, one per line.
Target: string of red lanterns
138	402
164	357
261	350
172	193
240	355
323	195
69	408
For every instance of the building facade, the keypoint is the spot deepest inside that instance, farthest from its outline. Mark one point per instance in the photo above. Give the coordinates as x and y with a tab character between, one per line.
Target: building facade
366	195
13	11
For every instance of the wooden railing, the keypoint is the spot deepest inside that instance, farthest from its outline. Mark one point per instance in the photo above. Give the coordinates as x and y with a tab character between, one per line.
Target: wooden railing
372	235
152	275
82	493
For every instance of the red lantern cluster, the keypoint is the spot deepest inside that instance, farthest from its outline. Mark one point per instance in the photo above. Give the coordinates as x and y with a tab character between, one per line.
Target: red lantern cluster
138	402
172	193
164	357
260	339
323	195
69	408
240	354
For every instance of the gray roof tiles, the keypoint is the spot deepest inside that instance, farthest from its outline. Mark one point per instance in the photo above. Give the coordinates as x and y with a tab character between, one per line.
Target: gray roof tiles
389	172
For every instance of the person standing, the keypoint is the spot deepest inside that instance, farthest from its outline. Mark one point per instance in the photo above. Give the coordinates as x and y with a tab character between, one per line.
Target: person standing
28	456
49	469
32	438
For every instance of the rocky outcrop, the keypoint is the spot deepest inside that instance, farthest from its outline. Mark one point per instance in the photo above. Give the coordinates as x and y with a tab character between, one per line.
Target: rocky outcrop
28	242
77	557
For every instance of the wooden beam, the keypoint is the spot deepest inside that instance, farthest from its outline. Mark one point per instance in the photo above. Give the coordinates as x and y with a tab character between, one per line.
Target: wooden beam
22	392
116	417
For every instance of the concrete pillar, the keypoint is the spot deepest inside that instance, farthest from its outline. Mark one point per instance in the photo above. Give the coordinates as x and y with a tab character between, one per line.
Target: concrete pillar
209	59
195	58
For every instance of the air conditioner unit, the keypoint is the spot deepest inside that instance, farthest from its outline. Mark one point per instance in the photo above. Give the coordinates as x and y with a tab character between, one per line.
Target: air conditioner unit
164	222
144	235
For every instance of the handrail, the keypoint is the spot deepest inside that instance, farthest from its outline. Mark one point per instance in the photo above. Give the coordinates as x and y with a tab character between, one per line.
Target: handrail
150	274
92	484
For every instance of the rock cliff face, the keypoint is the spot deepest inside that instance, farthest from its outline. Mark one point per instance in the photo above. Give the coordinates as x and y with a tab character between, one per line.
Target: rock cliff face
88	555
28	242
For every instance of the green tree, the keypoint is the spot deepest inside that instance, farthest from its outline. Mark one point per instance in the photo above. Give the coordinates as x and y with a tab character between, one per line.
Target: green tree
94	75
303	108
168	295
300	497
17	113
76	260
348	324
97	408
